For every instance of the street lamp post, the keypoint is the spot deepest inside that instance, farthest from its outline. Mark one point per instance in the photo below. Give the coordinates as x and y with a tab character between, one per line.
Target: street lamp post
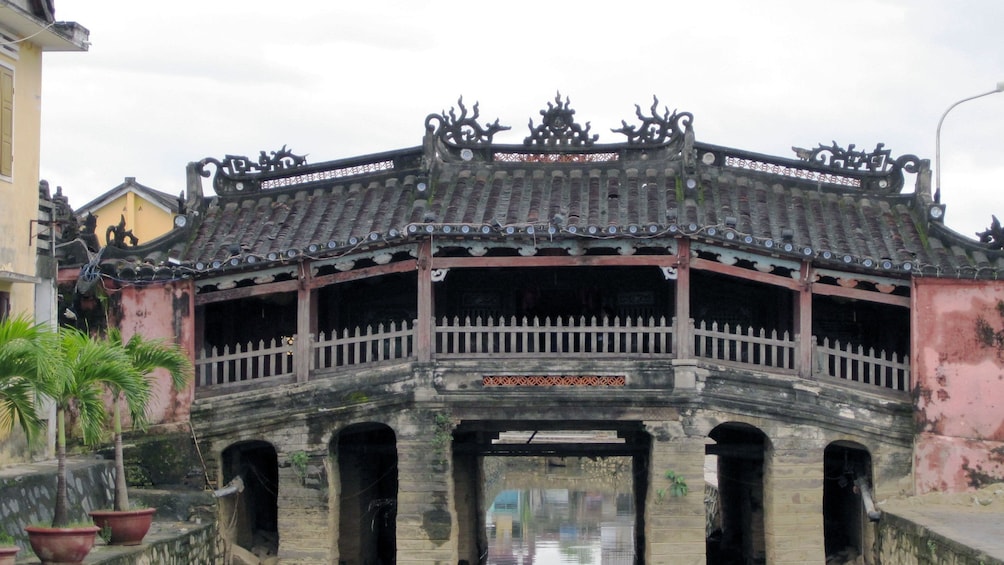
937	138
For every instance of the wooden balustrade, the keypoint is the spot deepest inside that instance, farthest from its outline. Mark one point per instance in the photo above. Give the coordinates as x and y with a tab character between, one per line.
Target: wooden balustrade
746	346
247	362
477	338
865	366
362	346
535	337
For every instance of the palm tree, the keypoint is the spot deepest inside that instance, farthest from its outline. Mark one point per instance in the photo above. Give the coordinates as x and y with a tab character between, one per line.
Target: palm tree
145	356
85	368
25	364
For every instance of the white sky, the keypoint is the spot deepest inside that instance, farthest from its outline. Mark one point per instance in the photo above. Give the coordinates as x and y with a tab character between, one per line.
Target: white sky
166	83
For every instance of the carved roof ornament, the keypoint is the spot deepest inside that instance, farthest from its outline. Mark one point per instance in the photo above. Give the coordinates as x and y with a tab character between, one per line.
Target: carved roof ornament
238	166
558	128
879	161
119	236
462	130
235	165
992	237
656	129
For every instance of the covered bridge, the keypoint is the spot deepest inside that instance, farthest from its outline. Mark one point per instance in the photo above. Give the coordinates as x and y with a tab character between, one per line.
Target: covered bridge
365	330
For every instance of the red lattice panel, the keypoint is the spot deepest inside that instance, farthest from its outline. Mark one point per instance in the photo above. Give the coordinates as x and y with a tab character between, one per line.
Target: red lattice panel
553	380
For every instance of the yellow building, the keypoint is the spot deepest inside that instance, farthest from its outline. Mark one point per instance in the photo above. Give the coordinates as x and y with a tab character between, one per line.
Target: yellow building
27	29
148	213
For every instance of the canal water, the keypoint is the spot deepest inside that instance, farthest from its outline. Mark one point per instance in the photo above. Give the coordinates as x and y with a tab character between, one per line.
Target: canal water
558	511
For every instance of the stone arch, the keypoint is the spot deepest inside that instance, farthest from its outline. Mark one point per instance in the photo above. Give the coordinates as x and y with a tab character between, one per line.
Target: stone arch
249	516
735	465
847	488
365	456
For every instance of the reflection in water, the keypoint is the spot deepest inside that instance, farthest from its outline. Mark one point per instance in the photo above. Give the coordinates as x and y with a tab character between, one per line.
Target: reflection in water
567	511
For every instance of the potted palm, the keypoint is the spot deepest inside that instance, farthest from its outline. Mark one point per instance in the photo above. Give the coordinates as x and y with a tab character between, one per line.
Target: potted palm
127	525
83	368
8	551
24	363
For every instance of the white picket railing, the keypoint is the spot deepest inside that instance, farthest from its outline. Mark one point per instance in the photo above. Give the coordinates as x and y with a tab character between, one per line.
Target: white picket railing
746	346
478	338
245	362
361	346
535	337
856	364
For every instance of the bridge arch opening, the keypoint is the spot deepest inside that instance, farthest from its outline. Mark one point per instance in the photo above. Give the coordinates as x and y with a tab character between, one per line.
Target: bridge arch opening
249	517
735	464
532	486
847	469
368	481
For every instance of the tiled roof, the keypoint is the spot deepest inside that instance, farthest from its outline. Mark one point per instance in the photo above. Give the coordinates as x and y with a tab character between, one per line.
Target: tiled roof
841	214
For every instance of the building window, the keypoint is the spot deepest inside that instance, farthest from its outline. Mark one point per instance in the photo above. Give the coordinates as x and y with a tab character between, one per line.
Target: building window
4	305
6	122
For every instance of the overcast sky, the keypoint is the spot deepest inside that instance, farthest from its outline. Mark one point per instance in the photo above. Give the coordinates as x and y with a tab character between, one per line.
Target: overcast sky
166	83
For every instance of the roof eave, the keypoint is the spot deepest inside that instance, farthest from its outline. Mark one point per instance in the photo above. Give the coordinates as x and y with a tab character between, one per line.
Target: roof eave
50	36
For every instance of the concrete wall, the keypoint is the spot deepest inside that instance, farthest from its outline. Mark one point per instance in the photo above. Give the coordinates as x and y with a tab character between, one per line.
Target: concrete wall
958	370
28	494
199	546
142	310
903	542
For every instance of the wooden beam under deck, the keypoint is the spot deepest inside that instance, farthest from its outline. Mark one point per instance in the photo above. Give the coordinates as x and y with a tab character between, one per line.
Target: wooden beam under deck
748	274
551	449
365	273
556	261
858	294
247	292
312	283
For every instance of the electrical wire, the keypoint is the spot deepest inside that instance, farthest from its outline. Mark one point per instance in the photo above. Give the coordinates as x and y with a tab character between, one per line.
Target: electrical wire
23	39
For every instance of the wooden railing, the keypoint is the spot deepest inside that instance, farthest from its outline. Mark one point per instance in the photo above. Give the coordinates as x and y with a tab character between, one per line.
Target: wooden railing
536	337
856	364
477	338
241	363
745	346
363	346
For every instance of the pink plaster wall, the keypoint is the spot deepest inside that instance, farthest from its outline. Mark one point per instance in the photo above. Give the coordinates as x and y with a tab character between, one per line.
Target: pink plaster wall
958	385
166	312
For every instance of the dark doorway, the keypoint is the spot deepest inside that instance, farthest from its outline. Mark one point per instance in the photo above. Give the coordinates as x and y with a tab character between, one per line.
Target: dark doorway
249	518
367	467
847	471
739	450
577	487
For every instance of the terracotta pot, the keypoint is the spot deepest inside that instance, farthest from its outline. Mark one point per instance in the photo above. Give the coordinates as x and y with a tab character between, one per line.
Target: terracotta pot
127	527
8	554
61	545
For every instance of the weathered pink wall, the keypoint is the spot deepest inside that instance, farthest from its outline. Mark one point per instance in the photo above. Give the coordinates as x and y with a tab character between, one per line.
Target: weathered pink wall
958	384
167	312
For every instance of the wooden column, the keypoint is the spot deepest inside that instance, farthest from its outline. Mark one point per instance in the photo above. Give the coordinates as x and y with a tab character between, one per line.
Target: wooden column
684	340
803	321
306	325
424	324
